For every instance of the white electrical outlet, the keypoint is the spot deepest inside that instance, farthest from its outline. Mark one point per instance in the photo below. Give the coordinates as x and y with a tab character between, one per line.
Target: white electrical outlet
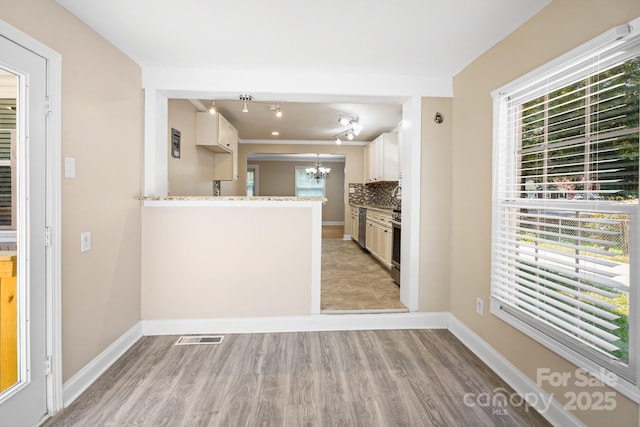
85	241
479	306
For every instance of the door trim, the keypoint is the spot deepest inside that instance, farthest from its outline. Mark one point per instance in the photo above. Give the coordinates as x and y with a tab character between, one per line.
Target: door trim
53	215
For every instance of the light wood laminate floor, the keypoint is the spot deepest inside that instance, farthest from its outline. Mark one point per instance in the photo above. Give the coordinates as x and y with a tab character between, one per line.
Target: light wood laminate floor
352	280
347	378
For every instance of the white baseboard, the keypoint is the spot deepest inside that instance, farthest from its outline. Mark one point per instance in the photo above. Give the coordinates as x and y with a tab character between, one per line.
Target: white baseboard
318	322
346	237
520	383
87	375
332	222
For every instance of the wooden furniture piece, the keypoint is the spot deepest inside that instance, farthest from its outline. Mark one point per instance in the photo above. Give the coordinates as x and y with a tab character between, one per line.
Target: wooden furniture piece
8	320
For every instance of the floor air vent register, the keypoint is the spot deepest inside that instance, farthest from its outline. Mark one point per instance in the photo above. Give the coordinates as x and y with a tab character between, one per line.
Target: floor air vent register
199	340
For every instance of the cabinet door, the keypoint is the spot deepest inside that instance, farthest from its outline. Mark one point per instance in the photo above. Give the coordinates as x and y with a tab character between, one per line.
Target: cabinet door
369	237
208	131
378	159
226	132
369	162
387	246
389	158
354	226
226	163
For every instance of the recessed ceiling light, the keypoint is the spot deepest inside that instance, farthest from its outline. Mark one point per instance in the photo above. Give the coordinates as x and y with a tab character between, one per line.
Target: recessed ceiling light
275	133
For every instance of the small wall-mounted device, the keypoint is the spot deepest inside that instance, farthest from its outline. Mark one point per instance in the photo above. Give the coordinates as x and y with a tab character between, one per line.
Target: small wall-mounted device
175	143
438	118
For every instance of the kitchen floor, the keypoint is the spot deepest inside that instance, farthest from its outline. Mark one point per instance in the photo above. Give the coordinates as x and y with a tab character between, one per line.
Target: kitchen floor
352	280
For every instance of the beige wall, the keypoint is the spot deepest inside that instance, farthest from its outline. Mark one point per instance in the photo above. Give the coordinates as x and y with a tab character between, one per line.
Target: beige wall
563	25
354	165
277	178
226	262
102	130
192	173
435	205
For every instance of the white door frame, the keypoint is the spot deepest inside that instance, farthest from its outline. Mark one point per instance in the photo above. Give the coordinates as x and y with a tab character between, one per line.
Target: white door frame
53	215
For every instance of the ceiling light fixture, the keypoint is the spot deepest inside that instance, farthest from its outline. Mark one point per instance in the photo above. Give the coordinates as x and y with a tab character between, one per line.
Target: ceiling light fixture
344	120
276	109
353	130
245	99
273	106
213	109
275	133
318	172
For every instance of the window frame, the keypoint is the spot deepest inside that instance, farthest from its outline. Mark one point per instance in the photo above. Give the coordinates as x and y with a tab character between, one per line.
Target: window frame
503	141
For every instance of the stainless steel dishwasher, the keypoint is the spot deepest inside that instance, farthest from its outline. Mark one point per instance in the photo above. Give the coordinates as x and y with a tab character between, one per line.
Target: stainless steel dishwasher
362	227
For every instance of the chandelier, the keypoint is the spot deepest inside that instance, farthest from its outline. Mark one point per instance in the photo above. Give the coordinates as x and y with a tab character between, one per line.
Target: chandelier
318	172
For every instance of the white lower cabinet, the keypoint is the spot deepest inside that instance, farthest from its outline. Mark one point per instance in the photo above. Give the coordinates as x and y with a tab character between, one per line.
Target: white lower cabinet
354	223
379	237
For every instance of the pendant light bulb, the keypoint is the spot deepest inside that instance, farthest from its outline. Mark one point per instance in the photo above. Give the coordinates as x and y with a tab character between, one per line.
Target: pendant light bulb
245	107
278	112
212	109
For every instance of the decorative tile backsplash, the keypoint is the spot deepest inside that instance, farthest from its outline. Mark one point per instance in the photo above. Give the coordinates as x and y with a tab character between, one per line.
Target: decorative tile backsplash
375	194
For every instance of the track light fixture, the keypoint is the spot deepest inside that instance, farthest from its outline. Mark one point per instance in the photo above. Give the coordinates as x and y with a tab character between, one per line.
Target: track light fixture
212	109
245	99
275	107
353	130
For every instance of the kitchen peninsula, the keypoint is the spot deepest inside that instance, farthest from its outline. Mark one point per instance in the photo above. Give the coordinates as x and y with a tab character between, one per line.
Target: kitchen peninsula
215	257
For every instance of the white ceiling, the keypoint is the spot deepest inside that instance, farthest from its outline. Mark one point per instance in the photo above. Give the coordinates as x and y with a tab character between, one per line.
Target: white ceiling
305	121
426	38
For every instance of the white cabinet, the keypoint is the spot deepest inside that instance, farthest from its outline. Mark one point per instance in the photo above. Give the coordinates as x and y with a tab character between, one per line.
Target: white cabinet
379	236
215	133
382	158
354	223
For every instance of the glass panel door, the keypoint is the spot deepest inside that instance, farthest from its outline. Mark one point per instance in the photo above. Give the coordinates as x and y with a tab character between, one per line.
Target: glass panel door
8	258
23	386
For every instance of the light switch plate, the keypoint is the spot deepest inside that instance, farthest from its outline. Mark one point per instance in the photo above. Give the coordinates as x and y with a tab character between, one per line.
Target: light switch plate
69	167
85	241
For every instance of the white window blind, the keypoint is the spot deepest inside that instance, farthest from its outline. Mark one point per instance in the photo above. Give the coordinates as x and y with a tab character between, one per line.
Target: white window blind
565	202
7	163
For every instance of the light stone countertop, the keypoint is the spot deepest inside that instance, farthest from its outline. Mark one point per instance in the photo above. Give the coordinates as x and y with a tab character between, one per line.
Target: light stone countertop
387	209
233	198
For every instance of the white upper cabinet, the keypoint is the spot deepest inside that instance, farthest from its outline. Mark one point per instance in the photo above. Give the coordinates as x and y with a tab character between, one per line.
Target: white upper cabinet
382	158
215	133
